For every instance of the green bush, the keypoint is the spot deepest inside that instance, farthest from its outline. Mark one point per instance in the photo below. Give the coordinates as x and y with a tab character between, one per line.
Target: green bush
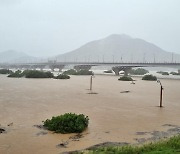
16	74
5	71
38	74
70	72
62	76
67	123
108	71
125	78
84	72
165	73
81	72
139	71
149	77
175	73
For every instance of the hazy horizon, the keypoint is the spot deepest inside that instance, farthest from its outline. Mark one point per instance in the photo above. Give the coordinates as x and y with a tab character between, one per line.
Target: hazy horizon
47	28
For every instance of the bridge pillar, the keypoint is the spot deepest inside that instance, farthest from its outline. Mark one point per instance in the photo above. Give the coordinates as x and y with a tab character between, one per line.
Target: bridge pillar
60	67
126	71
116	69
179	71
82	67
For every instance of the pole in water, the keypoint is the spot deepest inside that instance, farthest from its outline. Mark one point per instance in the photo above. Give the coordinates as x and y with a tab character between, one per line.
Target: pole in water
160	93
91	83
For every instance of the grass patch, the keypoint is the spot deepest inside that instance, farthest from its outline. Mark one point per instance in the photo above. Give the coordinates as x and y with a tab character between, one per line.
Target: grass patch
168	146
67	123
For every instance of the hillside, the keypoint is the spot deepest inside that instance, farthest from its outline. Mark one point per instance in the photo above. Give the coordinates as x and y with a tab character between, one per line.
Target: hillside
119	48
12	56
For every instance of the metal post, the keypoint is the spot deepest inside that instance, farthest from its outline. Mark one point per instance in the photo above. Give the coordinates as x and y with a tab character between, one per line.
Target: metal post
91	83
161	96
160	93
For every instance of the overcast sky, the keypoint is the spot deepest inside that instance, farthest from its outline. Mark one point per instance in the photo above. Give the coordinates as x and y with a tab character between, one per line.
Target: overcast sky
50	27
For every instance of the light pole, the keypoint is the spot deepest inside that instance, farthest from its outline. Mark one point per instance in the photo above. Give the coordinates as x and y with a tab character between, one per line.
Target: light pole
158	81
91	82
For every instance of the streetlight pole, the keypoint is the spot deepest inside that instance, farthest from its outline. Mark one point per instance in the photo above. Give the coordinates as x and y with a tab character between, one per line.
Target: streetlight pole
160	93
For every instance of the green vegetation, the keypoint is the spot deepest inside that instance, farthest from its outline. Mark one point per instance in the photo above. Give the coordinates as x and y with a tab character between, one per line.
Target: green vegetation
67	123
5	71
16	74
81	72
70	72
108	71
38	74
175	73
163	73
168	146
149	77
125	78
31	74
160	72
62	76
139	71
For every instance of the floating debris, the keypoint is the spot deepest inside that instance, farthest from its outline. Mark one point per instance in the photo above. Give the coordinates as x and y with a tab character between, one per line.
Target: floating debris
10	124
2	130
126	91
62	145
42	133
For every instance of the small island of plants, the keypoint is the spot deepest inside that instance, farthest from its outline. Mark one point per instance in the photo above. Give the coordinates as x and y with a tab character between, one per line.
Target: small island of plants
67	123
31	74
139	71
125	78
149	78
62	76
80	72
5	71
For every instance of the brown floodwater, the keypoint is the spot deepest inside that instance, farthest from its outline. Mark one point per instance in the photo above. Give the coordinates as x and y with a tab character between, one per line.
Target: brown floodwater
114	116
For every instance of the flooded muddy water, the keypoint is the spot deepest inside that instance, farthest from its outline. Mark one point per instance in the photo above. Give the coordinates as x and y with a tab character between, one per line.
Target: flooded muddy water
114	116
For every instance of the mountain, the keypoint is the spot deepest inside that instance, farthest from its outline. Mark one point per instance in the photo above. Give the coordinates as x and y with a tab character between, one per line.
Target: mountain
119	48
12	56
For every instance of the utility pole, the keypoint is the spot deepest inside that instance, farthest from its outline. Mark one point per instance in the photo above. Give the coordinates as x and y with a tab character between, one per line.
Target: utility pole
160	93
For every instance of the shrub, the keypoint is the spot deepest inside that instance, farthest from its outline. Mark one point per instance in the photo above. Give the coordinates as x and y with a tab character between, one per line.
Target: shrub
67	123
108	71
125	78
139	71
165	73
81	72
149	77
70	72
38	74
5	71
84	72
62	76
17	74
175	73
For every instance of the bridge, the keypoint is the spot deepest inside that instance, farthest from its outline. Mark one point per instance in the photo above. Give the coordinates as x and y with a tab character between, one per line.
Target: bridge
116	66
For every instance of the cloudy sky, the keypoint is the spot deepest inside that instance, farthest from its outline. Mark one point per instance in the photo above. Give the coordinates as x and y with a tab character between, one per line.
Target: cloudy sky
50	27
